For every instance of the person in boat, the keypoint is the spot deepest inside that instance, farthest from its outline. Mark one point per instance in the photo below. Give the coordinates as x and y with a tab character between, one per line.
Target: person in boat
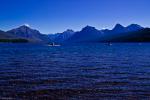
52	44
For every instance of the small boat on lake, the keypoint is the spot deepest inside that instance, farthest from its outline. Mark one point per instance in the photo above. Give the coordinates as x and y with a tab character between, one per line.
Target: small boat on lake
54	45
109	44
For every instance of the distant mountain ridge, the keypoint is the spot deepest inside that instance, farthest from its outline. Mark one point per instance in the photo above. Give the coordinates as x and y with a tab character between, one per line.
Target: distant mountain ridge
142	35
32	35
61	37
119	33
91	34
87	34
4	35
7	37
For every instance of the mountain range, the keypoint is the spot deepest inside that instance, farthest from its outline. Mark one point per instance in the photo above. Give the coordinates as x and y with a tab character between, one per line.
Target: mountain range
131	33
61	37
91	34
31	35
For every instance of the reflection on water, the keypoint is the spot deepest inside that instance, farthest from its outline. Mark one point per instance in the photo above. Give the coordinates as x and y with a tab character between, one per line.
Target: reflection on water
75	72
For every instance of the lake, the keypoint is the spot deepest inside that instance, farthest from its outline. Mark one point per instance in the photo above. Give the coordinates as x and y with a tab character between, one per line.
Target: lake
93	71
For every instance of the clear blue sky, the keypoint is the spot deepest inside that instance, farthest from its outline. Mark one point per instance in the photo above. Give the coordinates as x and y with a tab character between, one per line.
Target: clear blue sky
51	16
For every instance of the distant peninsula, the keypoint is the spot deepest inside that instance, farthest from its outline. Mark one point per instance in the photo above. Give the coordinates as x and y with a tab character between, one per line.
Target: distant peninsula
13	41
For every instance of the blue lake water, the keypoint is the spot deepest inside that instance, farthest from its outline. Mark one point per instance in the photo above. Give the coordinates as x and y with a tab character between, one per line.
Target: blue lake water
75	72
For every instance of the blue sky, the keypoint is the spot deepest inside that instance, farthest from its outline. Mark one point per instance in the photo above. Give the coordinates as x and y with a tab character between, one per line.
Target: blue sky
51	16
